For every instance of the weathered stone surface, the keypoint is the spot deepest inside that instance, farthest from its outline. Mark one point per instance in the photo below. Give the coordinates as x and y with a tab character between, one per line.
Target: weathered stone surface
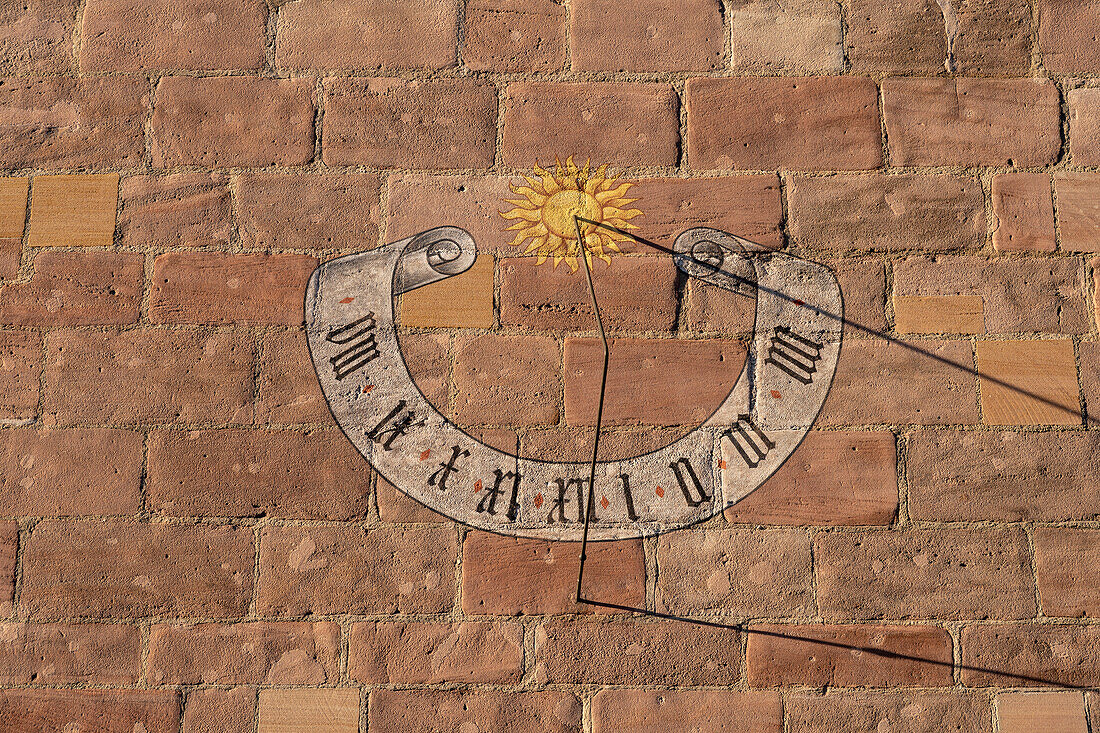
325	710
1084	125
888	212
1023	213
925	573
393	123
1020	712
803	36
617	123
219	711
73	211
938	314
1078	211
178	210
1068	35
1018	294
37	476
507	380
120	568
705	711
153	35
105	711
348	569
513	576
283	653
848	656
251	473
1066	563
514	35
286	388
835	477
351	34
77	289
393	711
20	373
1003	476
1014	122
769	123
105	654
290	211
37	36
899	711
417	652
648	38
59	122
232	121
1025	655
735	571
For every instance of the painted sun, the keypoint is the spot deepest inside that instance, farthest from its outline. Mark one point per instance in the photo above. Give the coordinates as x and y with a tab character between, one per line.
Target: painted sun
544	215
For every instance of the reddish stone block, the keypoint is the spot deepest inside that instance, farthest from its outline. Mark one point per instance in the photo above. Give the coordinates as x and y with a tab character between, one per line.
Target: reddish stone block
1069	38
926	382
284	653
393	711
635	652
639	294
512	576
650	381
153	35
178	210
119	568
1003	476
1023	213
77	289
287	390
351	34
251	473
925	573
514	35
848	656
395	123
1013	122
60	122
9	544
507	380
899	711
701	711
1066	563
617	123
1084	125
1078	211
232	121
735	571
20	372
104	711
415	652
37	37
835	478
809	123
147	375
428	356
219	711
348	569
104	654
1027	655
37	476
206	287
887	212
650	37
288	211
1018	294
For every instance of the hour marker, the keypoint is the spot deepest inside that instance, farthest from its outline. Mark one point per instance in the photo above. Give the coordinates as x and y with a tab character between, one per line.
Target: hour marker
538	500
660	492
477	486
777	394
347	300
604	502
425	455
367	388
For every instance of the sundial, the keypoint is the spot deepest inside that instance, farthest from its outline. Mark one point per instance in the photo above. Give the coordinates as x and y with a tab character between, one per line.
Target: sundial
573	217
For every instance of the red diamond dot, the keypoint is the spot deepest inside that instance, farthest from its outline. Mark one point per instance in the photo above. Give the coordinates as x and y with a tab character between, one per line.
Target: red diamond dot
425	454
776	394
722	465
347	300
477	486
605	503
799	302
660	491
538	500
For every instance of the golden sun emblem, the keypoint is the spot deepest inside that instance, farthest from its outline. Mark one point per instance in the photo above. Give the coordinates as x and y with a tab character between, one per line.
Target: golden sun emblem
545	214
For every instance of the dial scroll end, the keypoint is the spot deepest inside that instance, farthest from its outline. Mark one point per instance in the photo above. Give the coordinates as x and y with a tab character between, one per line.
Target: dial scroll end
433	255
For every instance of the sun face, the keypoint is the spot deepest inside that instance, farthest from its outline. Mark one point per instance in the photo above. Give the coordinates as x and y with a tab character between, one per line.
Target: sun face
547	213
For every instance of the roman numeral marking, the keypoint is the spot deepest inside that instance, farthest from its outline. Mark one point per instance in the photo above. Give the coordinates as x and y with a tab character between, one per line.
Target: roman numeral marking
488	503
794	354
680	467
361	346
385	433
749	440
